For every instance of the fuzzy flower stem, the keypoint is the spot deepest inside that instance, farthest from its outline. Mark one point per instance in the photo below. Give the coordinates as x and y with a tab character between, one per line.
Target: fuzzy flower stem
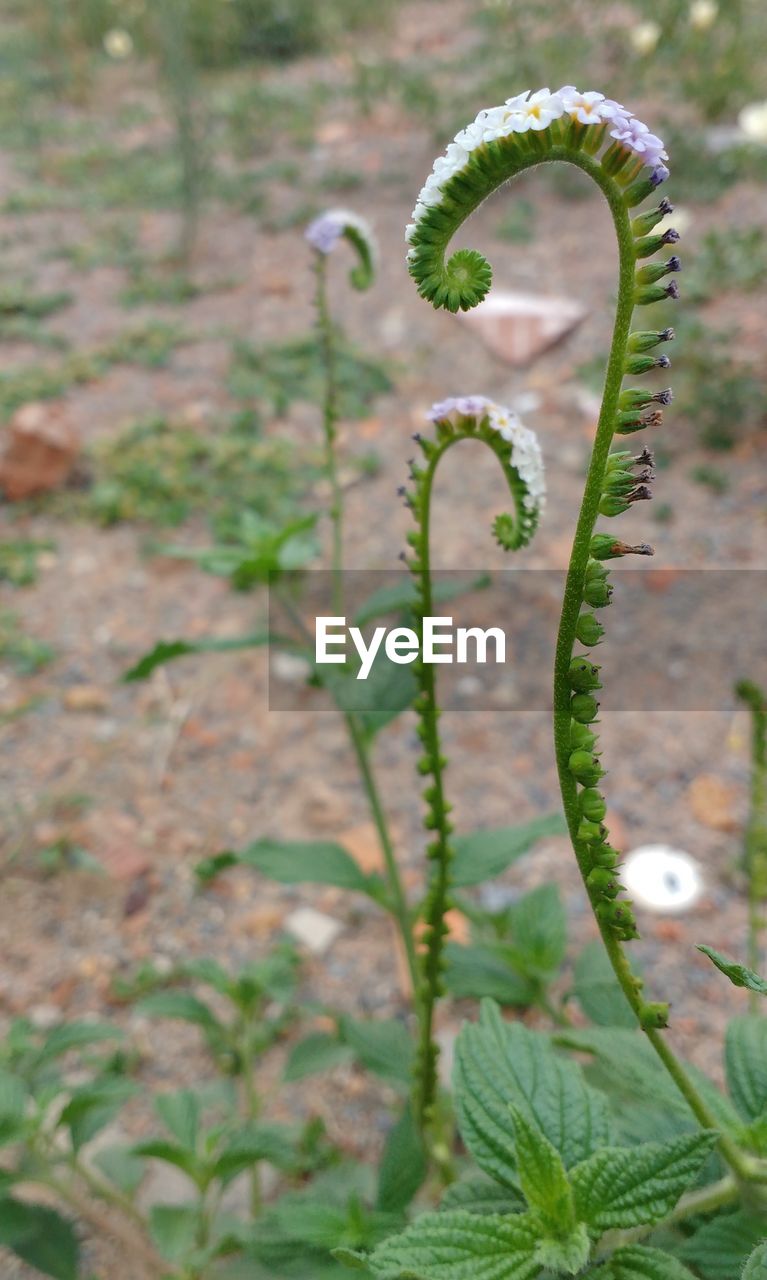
756	832
330	426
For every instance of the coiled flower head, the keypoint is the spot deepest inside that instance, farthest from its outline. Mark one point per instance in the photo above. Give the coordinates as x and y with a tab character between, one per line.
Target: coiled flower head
326	231
526	455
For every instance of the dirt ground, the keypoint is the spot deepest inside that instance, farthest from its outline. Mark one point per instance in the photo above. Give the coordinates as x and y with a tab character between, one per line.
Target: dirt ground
195	761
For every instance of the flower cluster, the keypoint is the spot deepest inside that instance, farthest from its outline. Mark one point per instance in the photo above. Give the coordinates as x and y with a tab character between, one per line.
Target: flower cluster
526	456
324	232
535	112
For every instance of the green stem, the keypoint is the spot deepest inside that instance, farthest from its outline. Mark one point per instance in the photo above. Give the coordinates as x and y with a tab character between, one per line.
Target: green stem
756	834
330	427
397	899
571	604
251	1109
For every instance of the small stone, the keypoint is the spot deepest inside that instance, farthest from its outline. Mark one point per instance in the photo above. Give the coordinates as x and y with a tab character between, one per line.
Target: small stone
713	802
519	327
315	931
323	808
85	697
40	451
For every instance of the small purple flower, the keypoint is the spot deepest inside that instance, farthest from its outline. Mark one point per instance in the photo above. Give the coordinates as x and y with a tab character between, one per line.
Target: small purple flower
659	175
671	236
672	289
674	264
324	232
663	362
664	397
665	207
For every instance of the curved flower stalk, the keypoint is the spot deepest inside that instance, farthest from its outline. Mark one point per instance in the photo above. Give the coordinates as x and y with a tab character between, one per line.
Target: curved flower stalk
516	448
755	700
627	162
324	234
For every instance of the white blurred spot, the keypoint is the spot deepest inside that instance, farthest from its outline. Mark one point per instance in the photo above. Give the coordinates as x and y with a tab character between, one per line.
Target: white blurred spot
662	879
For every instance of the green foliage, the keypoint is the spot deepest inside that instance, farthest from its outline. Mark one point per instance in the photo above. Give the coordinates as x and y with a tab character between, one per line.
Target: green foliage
631	1187
257	550
746	1064
756	1266
482	855
25	654
739	974
596	989
276	376
41	1237
18	560
718	1249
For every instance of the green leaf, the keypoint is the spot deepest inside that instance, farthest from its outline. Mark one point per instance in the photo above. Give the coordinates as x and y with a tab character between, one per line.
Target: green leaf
74	1035
169	1153
637	1262
168	650
179	1004
40	1237
539	931
306	862
402	597
479	1195
389	689
460	1246
121	1166
756	1267
598	991
637	1186
384	1046
316	1052
498	1063
739	974
92	1106
180	1113
481	970
542	1175
403	1165
481	855
13	1099
174	1229
746	1064
719	1248
270	1142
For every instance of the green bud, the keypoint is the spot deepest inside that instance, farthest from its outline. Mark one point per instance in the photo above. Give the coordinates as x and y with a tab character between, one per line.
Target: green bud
584	708
603	881
647	294
591	832
640	341
619	916
581	737
619	460
638	191
634	398
603	855
646	222
585	767
588	630
597	593
605	547
611	505
595	570
638	364
654	271
583	675
592	804
654	1016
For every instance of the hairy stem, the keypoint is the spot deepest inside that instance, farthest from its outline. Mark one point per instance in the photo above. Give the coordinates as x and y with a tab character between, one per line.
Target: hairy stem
330	428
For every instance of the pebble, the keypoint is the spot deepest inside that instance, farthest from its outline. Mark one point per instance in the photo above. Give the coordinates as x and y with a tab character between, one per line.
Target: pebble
315	931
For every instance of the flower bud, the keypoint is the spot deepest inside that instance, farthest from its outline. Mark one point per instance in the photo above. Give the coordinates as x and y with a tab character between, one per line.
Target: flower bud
604	882
584	708
605	547
612	505
592	804
581	737
583	675
591	832
595	571
585	767
603	855
645	295
654	1016
639	341
588	630
620	917
644	223
597	593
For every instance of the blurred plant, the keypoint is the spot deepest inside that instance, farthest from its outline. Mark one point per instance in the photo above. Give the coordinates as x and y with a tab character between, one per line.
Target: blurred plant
755	852
186	99
736	259
25	654
19	557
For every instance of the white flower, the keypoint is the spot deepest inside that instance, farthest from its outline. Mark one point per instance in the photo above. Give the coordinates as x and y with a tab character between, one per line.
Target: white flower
753	121
585	107
703	14
526	455
118	44
645	36
537	112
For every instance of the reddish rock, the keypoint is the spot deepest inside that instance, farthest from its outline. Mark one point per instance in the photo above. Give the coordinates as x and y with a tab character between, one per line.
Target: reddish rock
519	327
40	451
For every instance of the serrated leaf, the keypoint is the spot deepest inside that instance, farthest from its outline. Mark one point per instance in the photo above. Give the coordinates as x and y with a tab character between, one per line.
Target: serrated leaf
13	1098
539	930
481	855
498	1063
460	1246
597	990
174	1229
542	1175
169	1153
719	1248
121	1166
316	1052
481	1195
75	1035
638	1262
756	1266
180	1113
637	1186
306	862
479	971
384	1046
270	1142
40	1237
403	1165
746	1064
739	974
